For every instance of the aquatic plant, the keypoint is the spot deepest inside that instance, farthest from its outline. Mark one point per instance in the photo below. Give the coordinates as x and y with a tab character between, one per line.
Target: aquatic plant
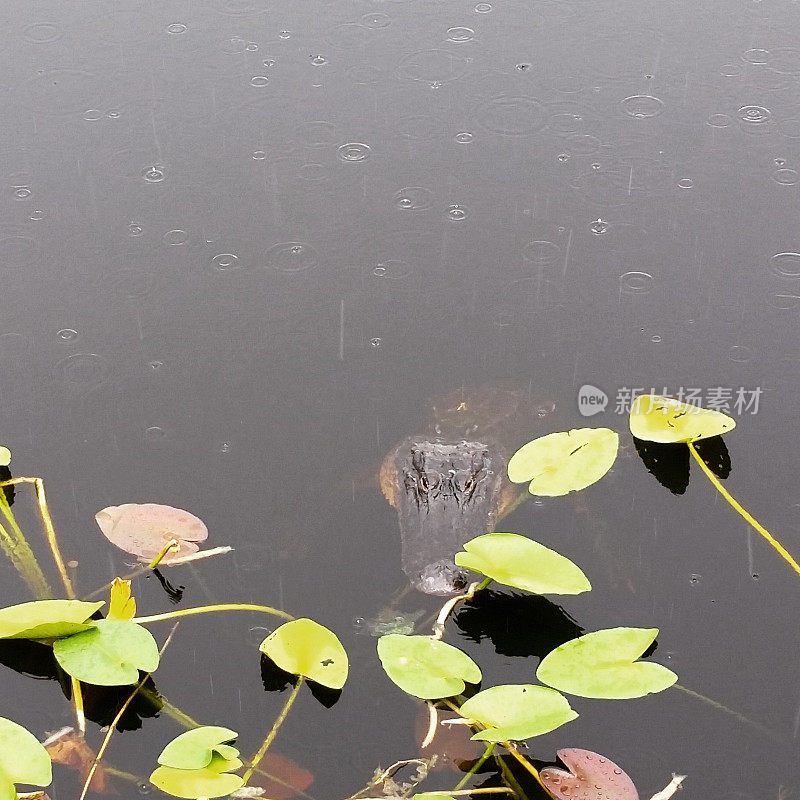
118	650
655	418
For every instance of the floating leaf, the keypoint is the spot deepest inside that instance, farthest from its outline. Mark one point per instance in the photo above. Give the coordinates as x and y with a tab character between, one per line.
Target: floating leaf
110	654
214	780
425	667
195	748
590	776
520	562
144	529
121	604
23	758
603	665
517	712
5	456
46	619
662	419
564	462
304	647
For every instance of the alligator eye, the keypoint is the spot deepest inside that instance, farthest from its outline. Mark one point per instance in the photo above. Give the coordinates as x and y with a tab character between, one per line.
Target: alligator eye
469	484
424	484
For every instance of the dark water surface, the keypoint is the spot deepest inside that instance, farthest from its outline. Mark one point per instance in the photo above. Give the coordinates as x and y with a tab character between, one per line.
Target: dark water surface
242	242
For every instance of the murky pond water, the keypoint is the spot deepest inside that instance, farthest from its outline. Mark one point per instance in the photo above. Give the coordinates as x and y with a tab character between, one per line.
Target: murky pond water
244	243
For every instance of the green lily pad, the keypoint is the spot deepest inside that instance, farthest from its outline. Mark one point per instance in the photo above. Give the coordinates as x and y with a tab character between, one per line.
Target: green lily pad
564	462
304	647
516	712
5	456
520	562
226	751
110	654
213	780
46	619
195	748
603	665
7	789
662	419
425	667
23	759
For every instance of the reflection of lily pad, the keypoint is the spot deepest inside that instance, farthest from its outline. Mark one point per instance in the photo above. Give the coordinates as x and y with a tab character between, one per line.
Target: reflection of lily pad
517	712
603	664
564	462
304	647
195	748
143	529
590	776
425	667
23	759
662	419
110	654
520	562
46	619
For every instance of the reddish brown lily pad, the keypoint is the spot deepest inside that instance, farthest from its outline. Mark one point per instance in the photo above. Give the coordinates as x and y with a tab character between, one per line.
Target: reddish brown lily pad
143	529
590	777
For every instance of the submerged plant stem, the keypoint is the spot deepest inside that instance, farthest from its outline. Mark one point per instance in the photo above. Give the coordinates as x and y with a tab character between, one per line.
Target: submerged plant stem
782	551
112	726
274	730
475	767
77	700
189	612
512	750
47	521
20	554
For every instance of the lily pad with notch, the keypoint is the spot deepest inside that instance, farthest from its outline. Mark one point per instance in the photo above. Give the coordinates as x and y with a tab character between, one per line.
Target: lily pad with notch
144	529
214	780
304	647
518	561
603	665
656	418
516	712
425	667
564	462
110	654
196	748
23	759
46	619
589	775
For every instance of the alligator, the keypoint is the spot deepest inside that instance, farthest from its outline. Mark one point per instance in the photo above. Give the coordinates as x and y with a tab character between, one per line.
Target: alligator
448	484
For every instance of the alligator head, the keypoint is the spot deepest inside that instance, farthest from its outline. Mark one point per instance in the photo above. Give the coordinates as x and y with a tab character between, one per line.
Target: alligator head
445	493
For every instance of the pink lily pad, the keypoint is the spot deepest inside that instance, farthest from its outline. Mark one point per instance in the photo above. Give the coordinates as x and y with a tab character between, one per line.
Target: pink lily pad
143	529
590	777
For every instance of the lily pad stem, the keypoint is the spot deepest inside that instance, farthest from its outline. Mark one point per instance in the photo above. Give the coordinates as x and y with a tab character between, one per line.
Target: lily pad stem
475	767
112	726
782	551
172	544
447	608
274	730
512	750
77	700
49	528
188	612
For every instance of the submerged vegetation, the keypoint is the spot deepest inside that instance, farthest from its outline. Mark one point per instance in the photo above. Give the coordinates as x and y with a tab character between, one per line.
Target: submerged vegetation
117	650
